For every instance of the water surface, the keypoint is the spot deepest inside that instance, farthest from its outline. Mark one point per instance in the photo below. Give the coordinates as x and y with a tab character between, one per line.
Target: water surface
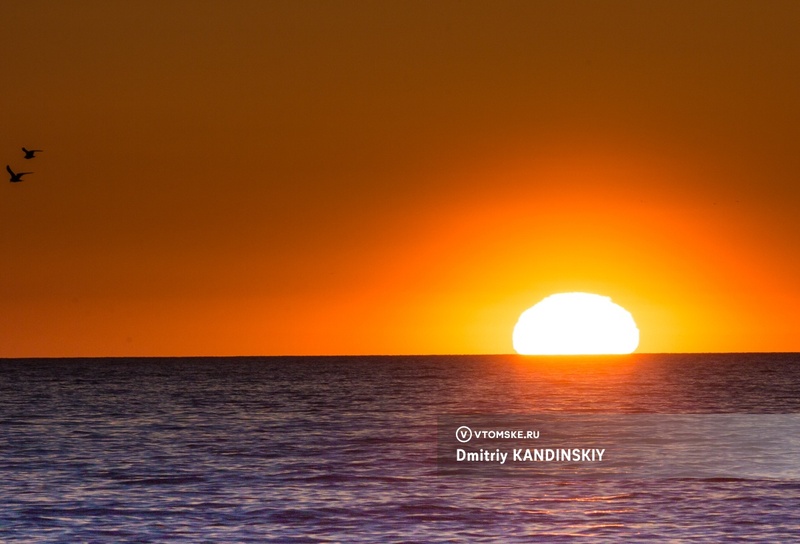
343	449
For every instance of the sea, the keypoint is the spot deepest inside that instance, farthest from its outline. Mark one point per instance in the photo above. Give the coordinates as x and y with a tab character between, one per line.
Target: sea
346	449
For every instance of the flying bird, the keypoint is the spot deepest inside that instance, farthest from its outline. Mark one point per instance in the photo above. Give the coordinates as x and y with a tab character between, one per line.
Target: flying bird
16	177
30	153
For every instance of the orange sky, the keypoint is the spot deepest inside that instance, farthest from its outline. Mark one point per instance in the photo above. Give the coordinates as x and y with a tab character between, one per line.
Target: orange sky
250	177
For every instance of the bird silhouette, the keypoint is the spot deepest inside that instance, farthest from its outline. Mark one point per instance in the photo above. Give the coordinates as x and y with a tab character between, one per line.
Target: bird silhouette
29	153
16	177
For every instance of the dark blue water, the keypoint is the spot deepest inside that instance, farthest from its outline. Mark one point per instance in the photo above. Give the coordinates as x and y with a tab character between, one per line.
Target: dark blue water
343	449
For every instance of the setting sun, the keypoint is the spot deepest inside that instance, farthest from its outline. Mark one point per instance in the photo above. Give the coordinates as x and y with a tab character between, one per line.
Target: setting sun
575	324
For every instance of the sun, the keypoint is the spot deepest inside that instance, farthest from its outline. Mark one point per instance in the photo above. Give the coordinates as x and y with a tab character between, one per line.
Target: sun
575	324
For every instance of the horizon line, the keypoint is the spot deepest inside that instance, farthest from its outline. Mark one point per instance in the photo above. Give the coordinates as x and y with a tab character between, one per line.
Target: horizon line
373	355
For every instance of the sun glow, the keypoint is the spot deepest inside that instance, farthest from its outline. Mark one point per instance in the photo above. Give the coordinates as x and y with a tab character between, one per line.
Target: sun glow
575	324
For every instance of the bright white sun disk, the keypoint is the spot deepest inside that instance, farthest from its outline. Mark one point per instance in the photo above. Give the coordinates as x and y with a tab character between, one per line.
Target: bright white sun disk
575	324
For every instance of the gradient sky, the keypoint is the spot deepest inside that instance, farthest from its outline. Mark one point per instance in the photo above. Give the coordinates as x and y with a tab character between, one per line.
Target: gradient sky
256	178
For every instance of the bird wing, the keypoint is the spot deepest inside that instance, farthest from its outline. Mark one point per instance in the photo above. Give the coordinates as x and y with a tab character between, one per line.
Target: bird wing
10	171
